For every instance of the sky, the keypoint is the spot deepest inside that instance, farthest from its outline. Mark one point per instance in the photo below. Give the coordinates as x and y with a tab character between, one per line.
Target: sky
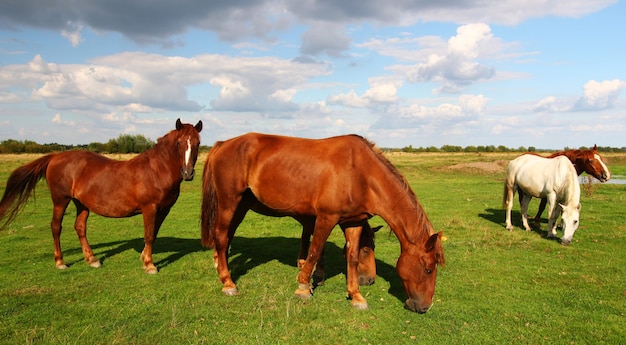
543	73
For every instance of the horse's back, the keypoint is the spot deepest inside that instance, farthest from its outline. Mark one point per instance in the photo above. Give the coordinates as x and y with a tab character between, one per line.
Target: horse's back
538	175
296	174
77	165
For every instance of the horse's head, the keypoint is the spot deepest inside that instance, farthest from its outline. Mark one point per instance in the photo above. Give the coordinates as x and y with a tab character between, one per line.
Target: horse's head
187	144
367	259
594	165
570	215
418	272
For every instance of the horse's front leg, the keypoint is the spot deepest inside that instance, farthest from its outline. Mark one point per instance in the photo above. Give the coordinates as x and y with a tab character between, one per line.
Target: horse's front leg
353	235
150	230
80	225
553	213
308	225
323	227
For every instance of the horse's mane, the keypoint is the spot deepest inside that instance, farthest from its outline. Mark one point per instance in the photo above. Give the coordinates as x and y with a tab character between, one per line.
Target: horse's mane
422	218
378	153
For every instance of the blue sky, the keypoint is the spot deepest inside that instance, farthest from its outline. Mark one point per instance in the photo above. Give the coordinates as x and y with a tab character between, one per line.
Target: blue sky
543	73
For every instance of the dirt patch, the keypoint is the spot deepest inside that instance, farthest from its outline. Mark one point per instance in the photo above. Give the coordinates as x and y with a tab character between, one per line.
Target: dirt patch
488	167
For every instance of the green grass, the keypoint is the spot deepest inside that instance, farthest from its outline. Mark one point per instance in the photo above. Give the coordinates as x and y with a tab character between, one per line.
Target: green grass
497	286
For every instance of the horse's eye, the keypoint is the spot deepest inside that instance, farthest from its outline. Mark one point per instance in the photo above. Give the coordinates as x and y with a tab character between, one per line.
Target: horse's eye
428	270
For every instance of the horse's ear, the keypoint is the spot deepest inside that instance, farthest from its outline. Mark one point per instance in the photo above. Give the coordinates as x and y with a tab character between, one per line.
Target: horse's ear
198	126
179	125
432	241
595	147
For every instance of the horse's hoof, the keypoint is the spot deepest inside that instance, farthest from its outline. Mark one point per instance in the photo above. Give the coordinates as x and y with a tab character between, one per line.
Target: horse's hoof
151	270
304	291
61	266
230	291
95	264
360	305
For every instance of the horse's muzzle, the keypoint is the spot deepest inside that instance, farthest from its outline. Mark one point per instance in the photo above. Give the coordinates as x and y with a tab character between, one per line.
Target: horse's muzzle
366	281
413	305
187	174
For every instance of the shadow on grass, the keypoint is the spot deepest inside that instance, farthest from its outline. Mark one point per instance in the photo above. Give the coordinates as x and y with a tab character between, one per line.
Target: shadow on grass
497	216
245	254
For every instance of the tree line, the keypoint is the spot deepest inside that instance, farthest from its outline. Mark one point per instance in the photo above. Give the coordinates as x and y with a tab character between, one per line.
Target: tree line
126	143
493	148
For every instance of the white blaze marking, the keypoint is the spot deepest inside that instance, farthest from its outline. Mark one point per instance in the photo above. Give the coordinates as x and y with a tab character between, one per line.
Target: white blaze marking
604	167
188	152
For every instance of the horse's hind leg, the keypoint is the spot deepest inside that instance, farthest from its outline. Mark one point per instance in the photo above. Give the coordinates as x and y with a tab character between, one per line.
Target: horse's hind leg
524	201
56	225
542	207
509	192
80	225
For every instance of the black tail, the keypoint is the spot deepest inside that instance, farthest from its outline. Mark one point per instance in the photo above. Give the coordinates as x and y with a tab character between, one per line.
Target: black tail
19	187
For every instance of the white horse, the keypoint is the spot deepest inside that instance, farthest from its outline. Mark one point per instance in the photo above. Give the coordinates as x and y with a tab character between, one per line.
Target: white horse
552	178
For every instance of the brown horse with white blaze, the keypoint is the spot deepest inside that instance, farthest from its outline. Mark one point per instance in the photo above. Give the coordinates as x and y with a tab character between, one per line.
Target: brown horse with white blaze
588	161
148	184
341	180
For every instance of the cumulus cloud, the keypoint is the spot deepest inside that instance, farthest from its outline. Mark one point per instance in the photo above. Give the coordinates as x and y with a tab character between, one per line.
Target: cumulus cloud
325	38
458	66
163	23
383	90
467	108
596	96
599	95
56	119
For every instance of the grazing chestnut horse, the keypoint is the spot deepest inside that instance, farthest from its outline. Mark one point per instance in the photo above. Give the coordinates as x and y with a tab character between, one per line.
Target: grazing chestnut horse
147	184
552	178
367	259
341	180
588	161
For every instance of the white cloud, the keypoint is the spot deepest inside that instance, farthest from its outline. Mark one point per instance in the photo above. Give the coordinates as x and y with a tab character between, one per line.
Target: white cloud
457	67
56	119
467	109
596	96
599	95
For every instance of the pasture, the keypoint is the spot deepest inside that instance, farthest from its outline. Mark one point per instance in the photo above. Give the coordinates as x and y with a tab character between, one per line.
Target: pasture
496	287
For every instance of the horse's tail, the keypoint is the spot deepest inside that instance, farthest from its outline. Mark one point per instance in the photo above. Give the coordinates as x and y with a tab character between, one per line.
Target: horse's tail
19	187
507	190
209	206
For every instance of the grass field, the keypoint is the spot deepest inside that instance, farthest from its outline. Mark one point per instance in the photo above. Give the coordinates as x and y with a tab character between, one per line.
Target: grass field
497	286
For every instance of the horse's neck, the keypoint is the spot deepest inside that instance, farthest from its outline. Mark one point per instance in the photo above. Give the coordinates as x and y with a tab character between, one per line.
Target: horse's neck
573	192
570	188
163	157
399	207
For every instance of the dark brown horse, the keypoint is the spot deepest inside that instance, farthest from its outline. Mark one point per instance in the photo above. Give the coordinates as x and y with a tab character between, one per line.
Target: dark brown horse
367	259
588	161
148	184
342	180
